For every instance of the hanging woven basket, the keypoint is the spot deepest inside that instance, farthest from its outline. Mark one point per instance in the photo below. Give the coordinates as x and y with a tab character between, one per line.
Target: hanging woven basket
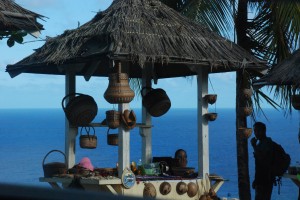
113	119
112	139
80	110
156	101
118	90
88	141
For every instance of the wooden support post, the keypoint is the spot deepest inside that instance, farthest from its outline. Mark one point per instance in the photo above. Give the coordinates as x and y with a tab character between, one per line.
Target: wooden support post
203	139
124	144
146	133
70	131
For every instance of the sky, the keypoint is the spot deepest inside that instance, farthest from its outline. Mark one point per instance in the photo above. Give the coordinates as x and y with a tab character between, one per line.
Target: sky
47	91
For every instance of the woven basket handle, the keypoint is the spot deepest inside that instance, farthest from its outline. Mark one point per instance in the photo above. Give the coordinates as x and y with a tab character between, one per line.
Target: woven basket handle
63	100
87	130
52	152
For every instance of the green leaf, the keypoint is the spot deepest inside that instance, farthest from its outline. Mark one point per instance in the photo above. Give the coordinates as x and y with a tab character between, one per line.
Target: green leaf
18	38
10	42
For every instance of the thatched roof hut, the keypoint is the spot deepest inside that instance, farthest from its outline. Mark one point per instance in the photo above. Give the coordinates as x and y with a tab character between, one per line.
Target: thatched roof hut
14	17
285	73
141	32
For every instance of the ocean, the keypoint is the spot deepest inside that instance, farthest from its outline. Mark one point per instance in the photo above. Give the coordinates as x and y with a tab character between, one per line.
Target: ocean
27	135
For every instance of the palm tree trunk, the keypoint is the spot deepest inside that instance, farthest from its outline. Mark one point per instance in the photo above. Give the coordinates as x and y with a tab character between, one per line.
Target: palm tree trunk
242	81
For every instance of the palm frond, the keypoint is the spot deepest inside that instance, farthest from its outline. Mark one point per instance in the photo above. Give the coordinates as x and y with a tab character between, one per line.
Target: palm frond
274	35
215	14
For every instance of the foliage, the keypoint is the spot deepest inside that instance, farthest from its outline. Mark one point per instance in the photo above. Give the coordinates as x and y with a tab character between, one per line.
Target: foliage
273	31
274	35
13	37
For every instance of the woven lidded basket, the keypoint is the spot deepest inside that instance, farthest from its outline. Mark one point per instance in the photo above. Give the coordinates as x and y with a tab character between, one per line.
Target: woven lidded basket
113	119
54	168
156	101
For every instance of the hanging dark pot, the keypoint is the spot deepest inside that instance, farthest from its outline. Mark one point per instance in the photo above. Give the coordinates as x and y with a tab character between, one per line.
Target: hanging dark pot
211	116
210	98
245	132
80	110
296	101
88	141
246	111
156	101
247	93
118	90
112	139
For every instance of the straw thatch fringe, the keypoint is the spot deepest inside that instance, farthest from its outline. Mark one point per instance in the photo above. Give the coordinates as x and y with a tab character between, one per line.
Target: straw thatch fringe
285	73
142	31
14	17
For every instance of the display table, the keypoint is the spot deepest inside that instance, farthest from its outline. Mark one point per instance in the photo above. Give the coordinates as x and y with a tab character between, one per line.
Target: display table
115	186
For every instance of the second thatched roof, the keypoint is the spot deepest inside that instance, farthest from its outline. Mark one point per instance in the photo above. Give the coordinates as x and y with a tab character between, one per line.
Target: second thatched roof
14	18
285	73
137	32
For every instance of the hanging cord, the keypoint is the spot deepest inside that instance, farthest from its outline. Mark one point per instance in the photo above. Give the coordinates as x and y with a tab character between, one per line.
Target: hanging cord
212	87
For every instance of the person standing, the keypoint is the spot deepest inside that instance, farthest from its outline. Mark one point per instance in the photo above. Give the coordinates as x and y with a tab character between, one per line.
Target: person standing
262	146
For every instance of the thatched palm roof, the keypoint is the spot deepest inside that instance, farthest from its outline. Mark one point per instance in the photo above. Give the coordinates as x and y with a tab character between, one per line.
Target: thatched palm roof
285	73
139	31
14	17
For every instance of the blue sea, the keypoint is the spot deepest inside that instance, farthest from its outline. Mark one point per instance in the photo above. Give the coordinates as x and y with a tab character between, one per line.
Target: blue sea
27	135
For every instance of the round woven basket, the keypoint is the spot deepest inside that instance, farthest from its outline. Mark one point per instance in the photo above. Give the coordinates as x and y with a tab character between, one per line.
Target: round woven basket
54	168
80	110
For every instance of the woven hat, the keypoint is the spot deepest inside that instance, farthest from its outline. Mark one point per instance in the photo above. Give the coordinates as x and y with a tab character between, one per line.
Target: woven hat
129	119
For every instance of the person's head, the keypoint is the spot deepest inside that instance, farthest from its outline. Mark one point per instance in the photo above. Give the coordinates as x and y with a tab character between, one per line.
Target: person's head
260	130
181	156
